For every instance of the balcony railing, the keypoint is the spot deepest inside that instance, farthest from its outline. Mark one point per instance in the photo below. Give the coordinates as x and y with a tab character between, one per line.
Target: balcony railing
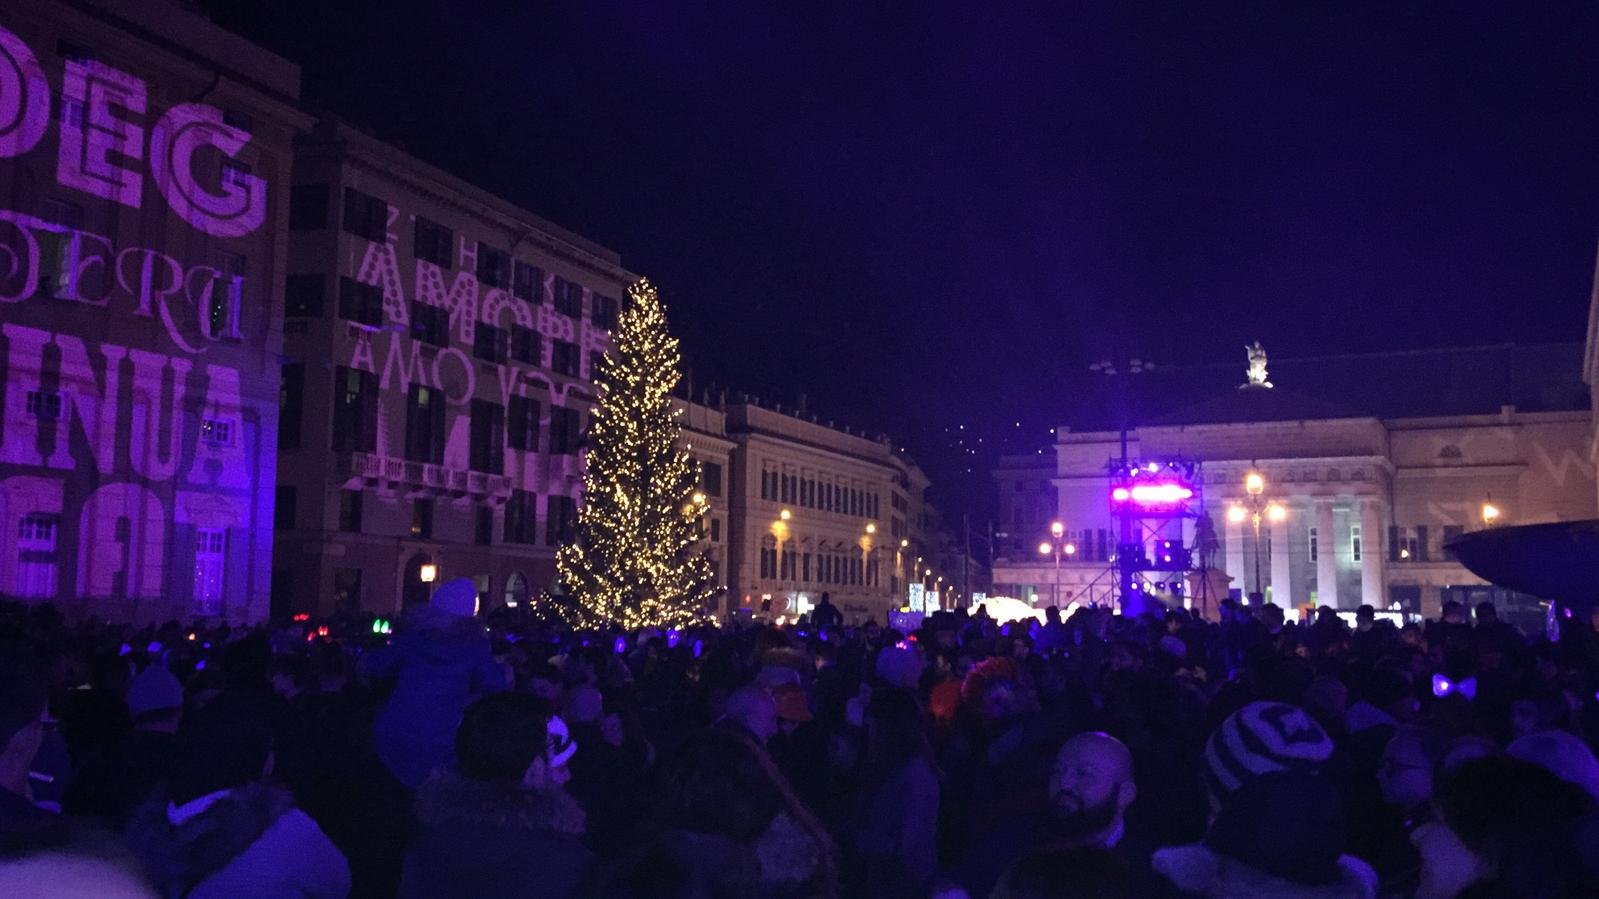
422	478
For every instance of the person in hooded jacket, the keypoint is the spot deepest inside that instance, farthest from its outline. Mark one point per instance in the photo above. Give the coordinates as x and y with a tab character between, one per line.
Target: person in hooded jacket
501	824
217	828
441	660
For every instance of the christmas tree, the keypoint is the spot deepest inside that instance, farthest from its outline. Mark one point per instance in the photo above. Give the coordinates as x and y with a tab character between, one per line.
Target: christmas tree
637	561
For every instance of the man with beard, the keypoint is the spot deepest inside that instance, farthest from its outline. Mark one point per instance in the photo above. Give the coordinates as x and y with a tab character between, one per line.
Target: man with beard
1089	790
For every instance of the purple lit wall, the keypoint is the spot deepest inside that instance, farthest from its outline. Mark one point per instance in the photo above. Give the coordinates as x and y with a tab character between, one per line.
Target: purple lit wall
138	330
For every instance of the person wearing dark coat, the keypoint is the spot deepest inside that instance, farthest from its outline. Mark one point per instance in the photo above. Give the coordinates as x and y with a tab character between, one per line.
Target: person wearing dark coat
501	824
218	828
441	660
24	826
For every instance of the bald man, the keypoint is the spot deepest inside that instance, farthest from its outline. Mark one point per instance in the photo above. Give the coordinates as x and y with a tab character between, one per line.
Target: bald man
1089	790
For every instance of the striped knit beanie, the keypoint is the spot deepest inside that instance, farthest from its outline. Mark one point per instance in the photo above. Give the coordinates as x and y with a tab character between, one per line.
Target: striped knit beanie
1261	738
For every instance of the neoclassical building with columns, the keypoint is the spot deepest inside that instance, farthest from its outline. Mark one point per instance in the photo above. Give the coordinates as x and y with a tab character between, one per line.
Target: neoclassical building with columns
1371	465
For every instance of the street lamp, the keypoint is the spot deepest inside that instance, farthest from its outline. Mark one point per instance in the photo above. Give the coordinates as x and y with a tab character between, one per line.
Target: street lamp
428	573
1254	490
1490	513
1057	546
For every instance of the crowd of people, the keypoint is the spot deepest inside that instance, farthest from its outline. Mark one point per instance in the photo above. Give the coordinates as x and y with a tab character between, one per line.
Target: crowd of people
1097	756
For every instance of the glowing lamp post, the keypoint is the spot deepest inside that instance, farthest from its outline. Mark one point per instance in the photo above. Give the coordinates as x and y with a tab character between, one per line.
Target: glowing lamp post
1254	491
1490	513
428	573
1057	546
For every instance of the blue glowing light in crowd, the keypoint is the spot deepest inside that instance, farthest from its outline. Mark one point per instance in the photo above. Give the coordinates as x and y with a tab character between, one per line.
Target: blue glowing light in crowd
200	665
124	650
154	647
699	647
620	646
671	639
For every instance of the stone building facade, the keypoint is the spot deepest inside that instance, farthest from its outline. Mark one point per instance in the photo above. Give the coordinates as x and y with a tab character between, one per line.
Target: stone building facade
144	180
438	347
815	509
1369	500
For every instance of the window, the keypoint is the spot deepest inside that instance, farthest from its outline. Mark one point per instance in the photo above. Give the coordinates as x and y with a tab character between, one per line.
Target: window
36	555
1404	546
768	559
217	431
430	324
484	531
490	343
434	243
424	425
568	298
365	216
711	478
235	174
355	410
360	302
1451	532
1354	542
521	517
44	404
602	312
564	431
302	296
563	358
1314	552
308	207
291	399
1450	452
210	548
716	537
522	424
286	508
488	437
527	345
562	520
222	306
350	508
528	283
493	266
422	519
595	357
347	588
55	250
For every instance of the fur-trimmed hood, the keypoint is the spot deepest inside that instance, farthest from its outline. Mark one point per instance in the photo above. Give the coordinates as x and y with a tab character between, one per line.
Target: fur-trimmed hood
1199	870
447	799
179	856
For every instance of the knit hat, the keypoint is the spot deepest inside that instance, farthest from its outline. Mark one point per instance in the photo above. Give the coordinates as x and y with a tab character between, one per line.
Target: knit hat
1564	755
1261	738
154	690
458	597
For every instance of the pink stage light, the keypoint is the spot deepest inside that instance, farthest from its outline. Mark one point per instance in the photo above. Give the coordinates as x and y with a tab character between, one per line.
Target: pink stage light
1156	494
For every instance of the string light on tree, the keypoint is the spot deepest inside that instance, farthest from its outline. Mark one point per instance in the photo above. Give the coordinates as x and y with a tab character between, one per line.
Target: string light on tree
637	561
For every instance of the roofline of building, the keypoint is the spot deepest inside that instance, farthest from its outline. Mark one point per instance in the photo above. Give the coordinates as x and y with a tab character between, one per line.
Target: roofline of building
383	158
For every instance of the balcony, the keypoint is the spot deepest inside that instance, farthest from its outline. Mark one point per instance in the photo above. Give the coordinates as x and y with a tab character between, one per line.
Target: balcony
420	479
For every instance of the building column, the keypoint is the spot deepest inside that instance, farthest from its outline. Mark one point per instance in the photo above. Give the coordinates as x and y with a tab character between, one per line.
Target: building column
1233	543
1372	547
1326	555
1282	587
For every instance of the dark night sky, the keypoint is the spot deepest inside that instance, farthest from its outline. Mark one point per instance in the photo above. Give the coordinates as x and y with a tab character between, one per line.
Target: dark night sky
924	214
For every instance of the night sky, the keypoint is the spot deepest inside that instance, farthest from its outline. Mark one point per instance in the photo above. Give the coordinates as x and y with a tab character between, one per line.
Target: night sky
923	215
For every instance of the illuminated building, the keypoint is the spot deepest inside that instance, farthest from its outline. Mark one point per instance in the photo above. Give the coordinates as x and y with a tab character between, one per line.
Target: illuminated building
1374	462
144	184
438	345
